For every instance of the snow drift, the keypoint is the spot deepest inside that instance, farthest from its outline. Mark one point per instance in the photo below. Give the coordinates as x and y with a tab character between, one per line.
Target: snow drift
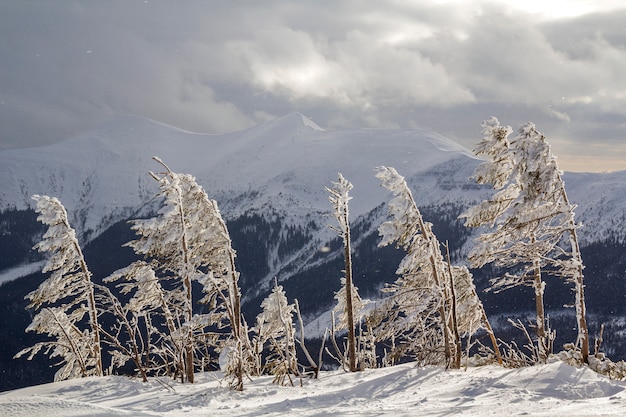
555	389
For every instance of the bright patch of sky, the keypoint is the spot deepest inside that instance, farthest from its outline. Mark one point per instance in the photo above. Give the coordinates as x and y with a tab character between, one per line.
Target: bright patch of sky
556	9
547	9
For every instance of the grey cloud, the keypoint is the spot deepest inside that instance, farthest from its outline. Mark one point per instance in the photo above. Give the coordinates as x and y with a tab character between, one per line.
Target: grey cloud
583	37
216	66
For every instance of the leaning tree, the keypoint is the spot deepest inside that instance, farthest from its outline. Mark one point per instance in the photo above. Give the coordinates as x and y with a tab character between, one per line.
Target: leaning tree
531	221
65	298
188	241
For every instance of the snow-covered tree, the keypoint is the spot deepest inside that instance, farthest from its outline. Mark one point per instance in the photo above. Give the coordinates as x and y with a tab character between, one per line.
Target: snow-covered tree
221	288
530	217
339	198
165	240
556	216
432	305
73	346
417	311
65	298
275	325
187	241
514	241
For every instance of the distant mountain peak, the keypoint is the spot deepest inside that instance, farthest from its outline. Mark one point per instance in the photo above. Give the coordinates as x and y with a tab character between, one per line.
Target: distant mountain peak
308	122
296	119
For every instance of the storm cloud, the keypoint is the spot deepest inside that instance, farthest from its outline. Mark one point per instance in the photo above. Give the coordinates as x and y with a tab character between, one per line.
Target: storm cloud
214	66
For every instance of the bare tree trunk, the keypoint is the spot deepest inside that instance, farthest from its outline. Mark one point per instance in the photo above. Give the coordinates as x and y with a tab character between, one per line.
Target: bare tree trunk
315	366
453	315
189	351
349	302
581	312
341	357
492	336
93	312
237	332
538	285
581	309
440	284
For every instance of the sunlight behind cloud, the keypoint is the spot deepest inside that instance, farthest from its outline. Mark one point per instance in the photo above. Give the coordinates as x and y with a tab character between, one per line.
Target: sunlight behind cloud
395	31
548	10
301	79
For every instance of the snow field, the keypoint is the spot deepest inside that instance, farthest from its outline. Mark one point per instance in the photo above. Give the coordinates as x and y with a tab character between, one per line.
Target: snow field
555	389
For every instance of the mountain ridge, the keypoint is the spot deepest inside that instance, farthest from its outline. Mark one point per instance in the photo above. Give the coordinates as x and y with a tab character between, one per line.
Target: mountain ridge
110	163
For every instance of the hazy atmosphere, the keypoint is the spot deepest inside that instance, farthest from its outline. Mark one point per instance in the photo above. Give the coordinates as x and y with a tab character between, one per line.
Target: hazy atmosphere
214	66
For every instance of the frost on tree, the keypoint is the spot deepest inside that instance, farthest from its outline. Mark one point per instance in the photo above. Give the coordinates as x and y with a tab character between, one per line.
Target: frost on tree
188	240
556	217
65	299
432	305
339	198
469	310
416	314
221	290
137	334
341	311
364	334
531	220
274	326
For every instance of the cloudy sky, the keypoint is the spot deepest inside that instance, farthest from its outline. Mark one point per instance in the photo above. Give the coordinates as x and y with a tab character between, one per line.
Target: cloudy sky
218	66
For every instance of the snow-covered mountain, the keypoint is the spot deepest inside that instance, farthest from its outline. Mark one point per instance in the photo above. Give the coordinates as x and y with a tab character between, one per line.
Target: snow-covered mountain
277	172
101	175
269	182
277	168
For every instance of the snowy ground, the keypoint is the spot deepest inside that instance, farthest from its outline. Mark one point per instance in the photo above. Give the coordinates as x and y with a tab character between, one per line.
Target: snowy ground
548	390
